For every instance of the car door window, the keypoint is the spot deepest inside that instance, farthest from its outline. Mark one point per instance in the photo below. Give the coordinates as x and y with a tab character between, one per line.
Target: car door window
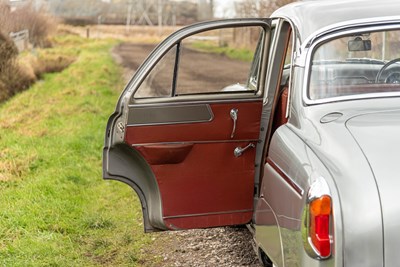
159	82
217	61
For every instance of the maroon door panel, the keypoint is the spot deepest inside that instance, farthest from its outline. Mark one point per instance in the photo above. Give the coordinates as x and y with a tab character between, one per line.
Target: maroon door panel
201	182
165	154
219	128
221	183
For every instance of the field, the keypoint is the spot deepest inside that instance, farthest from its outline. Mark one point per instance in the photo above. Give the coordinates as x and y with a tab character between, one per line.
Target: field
141	34
55	208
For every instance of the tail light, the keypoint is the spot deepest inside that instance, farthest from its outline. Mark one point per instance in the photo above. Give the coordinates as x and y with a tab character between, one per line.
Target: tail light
317	235
320	212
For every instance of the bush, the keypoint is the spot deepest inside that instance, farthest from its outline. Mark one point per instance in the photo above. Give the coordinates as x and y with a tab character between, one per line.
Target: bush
39	24
11	77
16	74
8	50
13	80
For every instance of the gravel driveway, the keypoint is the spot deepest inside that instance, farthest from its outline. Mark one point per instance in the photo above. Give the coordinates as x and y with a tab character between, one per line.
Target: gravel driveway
225	246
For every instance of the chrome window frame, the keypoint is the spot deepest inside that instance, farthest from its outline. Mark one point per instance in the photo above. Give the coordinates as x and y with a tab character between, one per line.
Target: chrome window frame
293	51
333	34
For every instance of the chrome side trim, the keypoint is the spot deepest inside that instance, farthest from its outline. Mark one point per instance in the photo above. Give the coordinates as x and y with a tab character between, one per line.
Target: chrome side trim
177	114
286	177
206	214
387	25
195	142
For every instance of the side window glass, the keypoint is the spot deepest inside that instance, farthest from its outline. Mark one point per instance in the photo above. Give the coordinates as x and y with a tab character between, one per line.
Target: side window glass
252	80
288	58
217	61
159	81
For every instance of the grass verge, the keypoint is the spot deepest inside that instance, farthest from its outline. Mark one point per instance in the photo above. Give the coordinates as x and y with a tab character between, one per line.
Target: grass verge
55	209
242	54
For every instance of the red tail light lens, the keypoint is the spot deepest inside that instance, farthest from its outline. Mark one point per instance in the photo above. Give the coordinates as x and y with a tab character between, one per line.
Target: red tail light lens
320	212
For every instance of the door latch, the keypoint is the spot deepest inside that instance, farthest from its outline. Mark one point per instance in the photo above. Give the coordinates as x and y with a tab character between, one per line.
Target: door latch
239	151
121	127
234	117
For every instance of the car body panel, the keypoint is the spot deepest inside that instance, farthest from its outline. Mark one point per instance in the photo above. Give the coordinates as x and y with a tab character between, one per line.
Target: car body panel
382	155
330	14
358	197
291	168
363	225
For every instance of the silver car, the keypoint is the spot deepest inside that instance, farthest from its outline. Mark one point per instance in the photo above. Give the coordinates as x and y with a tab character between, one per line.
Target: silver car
302	145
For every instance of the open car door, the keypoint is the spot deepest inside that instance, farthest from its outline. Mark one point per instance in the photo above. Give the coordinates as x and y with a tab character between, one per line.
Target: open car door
186	128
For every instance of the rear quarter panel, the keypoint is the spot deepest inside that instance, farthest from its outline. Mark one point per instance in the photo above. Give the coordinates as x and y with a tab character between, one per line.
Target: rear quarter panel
290	169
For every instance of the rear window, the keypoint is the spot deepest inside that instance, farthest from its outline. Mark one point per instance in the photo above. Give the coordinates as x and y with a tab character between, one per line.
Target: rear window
351	65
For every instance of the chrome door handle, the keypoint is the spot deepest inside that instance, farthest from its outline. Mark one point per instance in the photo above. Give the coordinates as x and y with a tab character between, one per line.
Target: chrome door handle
234	117
239	151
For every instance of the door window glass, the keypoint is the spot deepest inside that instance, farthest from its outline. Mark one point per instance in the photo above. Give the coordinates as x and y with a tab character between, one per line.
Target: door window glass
159	82
217	61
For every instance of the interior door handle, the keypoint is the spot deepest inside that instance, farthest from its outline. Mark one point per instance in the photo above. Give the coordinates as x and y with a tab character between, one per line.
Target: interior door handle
239	151
234	117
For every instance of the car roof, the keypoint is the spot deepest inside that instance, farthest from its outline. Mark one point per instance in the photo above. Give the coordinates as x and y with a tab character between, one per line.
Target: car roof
309	17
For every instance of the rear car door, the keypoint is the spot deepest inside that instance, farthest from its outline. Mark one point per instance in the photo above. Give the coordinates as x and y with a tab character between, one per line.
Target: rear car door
186	128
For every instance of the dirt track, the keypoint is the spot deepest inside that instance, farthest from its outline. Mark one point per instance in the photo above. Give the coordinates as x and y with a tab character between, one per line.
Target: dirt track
226	246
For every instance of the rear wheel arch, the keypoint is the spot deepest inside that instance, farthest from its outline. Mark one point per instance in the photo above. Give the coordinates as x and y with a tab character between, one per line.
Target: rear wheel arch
126	165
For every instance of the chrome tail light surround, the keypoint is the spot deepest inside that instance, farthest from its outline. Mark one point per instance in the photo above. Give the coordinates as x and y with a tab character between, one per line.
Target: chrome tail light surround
317	226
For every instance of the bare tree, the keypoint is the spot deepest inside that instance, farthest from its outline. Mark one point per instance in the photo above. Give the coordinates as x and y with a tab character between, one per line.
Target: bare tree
259	8
205	10
5	19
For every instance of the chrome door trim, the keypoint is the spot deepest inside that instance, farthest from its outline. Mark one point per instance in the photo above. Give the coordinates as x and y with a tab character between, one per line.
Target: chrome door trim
197	142
295	186
196	99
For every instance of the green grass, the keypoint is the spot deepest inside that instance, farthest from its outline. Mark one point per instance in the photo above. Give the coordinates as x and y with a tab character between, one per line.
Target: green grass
55	209
242	54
